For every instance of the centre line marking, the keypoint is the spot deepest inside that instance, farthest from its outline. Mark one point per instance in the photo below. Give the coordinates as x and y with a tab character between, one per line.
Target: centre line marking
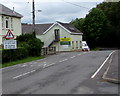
23	74
102	65
79	54
31	65
44	65
49	65
23	65
72	57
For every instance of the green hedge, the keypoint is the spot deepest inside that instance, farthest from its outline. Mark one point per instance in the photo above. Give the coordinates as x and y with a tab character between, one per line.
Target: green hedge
14	54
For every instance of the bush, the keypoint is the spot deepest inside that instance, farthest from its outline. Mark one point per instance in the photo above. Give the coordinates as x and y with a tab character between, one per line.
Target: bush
35	46
14	54
31	43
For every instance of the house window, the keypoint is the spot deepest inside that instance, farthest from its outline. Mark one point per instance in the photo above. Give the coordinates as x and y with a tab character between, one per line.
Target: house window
7	22
57	35
76	44
72	44
80	44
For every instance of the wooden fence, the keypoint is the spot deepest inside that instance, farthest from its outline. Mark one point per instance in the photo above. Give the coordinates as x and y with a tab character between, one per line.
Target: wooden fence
48	51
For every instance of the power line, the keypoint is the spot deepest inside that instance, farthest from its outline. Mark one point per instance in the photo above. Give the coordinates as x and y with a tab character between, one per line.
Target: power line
75	4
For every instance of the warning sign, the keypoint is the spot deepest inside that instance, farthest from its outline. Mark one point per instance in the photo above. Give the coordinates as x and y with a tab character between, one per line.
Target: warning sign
9	35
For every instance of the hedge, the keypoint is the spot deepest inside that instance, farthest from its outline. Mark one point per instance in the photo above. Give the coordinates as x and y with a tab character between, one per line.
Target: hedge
14	54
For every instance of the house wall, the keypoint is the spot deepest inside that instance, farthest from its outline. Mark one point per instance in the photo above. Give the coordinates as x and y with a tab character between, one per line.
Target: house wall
14	26
0	29
49	37
76	42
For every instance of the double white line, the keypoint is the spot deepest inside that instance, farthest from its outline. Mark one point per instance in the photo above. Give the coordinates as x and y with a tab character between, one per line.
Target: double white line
102	65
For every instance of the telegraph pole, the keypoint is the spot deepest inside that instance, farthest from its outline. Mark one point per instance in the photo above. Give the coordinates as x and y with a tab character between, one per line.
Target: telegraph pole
33	14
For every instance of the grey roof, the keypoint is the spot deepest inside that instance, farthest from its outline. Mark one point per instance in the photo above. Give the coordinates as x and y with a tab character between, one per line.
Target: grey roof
70	27
41	28
8	12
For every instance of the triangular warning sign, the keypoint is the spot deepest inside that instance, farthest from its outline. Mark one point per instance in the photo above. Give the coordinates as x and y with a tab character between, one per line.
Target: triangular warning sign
9	35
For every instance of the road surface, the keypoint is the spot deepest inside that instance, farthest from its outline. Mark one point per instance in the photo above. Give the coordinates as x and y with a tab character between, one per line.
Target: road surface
63	73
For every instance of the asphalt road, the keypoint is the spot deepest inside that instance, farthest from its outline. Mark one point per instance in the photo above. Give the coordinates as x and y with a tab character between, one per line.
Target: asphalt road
63	73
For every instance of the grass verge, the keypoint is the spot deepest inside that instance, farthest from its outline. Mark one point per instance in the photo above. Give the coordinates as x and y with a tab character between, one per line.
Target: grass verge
20	61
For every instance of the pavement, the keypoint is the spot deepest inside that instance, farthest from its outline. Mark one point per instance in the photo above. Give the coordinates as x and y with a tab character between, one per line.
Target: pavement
112	73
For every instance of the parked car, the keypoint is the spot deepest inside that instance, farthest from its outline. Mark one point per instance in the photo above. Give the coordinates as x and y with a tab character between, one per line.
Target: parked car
85	46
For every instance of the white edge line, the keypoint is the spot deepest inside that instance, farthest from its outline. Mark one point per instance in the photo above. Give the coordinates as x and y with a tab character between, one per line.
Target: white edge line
102	65
23	74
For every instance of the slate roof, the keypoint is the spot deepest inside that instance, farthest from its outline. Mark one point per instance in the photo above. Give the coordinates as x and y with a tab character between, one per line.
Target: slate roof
8	12
41	28
70	27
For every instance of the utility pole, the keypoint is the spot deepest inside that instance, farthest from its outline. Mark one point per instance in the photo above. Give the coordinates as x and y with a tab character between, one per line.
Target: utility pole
33	14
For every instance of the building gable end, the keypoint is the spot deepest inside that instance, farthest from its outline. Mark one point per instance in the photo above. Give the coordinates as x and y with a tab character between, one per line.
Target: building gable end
54	25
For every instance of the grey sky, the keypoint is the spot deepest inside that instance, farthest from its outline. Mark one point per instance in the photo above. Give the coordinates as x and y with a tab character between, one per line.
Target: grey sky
52	10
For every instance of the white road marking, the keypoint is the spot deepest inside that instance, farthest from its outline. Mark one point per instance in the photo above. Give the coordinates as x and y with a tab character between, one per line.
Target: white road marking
73	57
45	65
51	64
102	65
79	54
23	74
23	65
63	60
31	65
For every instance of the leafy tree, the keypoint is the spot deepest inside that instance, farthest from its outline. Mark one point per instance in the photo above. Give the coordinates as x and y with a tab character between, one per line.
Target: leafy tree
94	27
101	27
112	12
78	23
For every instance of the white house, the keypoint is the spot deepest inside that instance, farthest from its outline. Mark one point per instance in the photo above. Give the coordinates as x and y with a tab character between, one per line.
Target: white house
63	36
9	20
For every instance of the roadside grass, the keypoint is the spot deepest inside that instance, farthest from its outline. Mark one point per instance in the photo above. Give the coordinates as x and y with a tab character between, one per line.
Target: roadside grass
20	61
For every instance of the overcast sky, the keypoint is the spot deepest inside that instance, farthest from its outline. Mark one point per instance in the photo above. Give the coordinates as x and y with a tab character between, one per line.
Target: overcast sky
52	10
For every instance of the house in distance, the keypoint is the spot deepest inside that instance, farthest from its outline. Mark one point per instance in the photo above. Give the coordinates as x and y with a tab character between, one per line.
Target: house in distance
10	21
63	36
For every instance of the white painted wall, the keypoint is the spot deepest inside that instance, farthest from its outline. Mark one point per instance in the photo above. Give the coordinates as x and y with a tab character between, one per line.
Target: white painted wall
49	37
0	30
16	29
77	45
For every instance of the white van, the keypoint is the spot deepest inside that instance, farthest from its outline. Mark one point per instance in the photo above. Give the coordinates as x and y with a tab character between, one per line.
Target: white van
85	46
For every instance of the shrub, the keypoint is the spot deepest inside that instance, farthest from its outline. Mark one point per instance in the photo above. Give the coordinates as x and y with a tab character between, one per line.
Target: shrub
35	46
31	43
14	54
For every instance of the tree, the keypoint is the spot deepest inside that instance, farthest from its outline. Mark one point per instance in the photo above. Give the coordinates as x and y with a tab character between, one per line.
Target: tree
94	27
78	23
112	12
